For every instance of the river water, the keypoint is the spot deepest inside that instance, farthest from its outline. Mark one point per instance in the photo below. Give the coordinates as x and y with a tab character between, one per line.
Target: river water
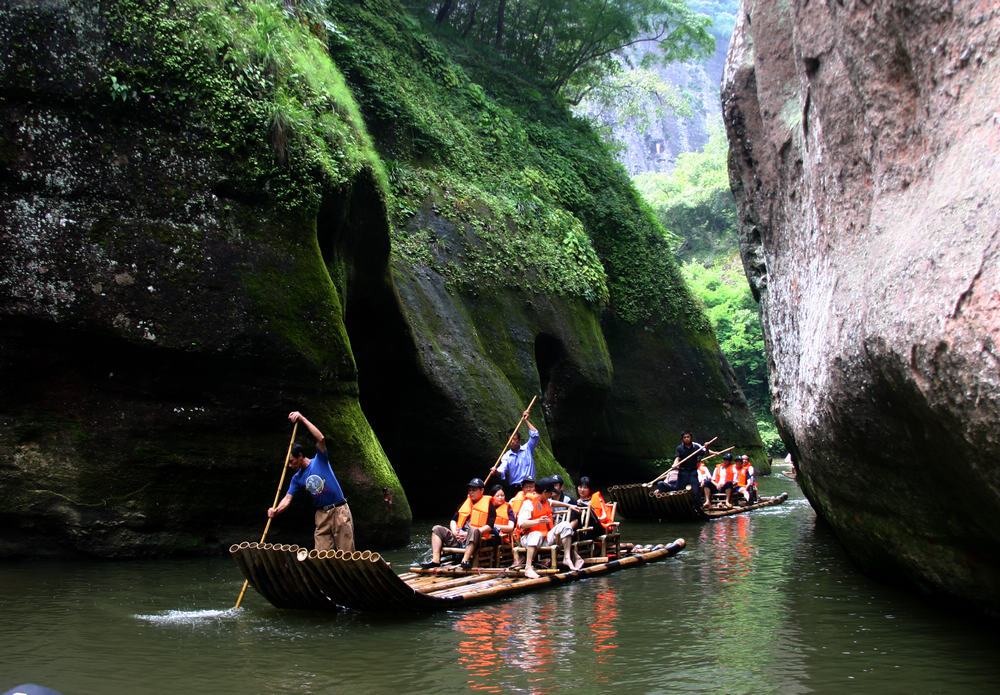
764	602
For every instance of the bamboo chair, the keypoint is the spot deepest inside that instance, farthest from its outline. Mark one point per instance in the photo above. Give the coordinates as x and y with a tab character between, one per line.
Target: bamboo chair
485	555
584	545
519	549
505	551
611	539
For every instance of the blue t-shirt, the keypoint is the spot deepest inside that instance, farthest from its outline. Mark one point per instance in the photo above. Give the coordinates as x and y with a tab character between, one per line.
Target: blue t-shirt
319	481
515	467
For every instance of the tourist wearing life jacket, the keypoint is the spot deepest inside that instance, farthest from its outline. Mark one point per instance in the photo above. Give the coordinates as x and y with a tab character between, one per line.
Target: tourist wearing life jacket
746	481
740	482
536	523
724	478
471	525
599	514
506	520
527	491
705	481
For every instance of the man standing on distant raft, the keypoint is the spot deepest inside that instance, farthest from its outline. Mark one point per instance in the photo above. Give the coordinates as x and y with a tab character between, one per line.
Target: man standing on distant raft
334	524
518	463
687	472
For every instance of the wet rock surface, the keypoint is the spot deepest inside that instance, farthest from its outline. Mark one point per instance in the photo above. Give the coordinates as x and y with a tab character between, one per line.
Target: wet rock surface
167	297
864	157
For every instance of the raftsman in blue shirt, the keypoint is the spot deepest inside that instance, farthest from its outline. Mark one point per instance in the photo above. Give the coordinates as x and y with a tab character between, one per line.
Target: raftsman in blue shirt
515	467
319	481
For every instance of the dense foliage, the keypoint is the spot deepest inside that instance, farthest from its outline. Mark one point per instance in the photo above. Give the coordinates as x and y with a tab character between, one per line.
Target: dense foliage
256	77
695	203
464	130
460	129
573	43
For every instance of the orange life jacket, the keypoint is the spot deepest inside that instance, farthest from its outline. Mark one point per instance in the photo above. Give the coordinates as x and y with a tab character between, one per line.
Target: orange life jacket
476	514
503	517
741	476
538	510
518	500
723	474
601	510
703	473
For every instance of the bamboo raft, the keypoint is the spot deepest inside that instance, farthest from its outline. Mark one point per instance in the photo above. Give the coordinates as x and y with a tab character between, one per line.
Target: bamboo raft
293	577
637	501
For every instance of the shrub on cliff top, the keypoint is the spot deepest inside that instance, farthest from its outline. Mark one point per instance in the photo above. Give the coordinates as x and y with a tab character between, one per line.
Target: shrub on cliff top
256	77
496	152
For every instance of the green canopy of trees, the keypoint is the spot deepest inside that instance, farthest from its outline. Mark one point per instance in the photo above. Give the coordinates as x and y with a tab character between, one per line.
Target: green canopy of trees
695	204
572	44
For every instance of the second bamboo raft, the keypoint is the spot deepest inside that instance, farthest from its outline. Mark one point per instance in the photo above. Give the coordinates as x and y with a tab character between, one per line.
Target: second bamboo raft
637	501
293	577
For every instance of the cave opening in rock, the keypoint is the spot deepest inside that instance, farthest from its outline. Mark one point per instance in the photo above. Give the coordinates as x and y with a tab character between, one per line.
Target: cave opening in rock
407	412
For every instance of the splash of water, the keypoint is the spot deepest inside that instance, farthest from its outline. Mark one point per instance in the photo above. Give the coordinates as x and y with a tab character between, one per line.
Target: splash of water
187	617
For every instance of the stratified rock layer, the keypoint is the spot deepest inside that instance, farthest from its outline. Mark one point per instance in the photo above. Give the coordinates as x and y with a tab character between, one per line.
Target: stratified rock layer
866	161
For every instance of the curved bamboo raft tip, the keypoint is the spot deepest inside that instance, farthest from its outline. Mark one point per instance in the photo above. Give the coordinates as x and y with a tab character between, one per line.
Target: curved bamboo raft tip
297	578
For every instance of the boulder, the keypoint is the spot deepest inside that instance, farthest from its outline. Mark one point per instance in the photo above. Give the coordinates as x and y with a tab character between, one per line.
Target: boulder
865	158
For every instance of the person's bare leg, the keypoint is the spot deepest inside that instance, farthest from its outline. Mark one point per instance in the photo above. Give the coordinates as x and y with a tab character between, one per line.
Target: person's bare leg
436	545
572	557
529	571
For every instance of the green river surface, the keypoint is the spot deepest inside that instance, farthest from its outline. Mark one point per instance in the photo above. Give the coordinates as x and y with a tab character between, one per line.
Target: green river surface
765	602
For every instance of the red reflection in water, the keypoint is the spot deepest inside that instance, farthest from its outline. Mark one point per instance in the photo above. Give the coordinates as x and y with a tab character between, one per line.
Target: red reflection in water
733	548
531	635
481	651
603	627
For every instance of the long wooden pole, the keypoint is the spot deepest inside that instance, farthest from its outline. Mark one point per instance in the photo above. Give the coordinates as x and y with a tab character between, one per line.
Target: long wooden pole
717	453
277	494
664	474
503	451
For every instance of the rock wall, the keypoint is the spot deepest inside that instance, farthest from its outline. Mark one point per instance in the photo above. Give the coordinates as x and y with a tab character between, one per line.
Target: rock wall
204	225
864	155
159	314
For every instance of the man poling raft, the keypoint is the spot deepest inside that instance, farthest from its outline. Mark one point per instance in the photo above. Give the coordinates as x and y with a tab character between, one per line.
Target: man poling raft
293	577
334	523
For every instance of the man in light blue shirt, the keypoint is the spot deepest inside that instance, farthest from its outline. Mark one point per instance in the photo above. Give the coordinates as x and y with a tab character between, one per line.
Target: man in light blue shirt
517	463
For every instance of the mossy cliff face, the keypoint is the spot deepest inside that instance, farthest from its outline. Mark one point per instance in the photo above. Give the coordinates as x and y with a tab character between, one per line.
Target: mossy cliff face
167	296
864	156
215	213
525	265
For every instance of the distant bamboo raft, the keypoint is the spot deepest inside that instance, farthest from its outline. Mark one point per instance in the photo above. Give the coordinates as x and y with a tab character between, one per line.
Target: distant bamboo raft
637	501
293	577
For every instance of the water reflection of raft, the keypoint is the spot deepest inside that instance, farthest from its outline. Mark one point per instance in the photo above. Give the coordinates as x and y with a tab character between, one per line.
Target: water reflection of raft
293	577
637	501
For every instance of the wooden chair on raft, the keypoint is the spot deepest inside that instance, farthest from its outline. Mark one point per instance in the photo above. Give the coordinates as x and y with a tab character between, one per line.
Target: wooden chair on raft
486	555
611	539
560	514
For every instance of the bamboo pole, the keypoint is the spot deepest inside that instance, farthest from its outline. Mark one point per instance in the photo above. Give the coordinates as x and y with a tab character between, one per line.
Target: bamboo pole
277	494
664	474
717	453
506	446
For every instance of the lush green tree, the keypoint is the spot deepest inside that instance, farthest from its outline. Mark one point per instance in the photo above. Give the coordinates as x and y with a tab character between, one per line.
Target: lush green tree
694	201
573	44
